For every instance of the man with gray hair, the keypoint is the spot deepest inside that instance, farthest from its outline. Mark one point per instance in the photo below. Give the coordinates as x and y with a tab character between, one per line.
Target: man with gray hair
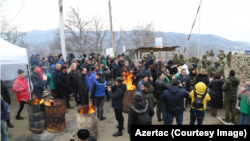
55	72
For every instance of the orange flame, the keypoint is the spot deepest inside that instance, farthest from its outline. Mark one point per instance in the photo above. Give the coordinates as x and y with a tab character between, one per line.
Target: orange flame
37	101
49	102
128	79
87	110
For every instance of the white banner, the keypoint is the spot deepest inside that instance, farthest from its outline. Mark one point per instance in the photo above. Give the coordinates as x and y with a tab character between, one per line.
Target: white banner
123	48
109	51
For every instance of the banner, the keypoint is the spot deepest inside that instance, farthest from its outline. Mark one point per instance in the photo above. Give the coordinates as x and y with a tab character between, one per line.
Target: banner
158	42
123	48
109	51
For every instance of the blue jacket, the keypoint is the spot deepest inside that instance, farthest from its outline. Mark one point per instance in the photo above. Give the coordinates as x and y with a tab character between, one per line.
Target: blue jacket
90	79
139	86
117	96
173	99
117	69
5	110
103	75
98	89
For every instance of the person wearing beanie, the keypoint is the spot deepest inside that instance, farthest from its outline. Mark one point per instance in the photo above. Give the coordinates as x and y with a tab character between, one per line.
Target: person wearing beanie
117	96
138	107
199	113
194	65
21	88
173	99
37	82
65	86
144	78
83	135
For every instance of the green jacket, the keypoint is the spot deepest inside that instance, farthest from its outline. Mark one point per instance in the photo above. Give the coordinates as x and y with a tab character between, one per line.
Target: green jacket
219	70
105	62
176	59
209	68
57	59
149	96
152	56
244	107
212	54
51	83
230	87
182	61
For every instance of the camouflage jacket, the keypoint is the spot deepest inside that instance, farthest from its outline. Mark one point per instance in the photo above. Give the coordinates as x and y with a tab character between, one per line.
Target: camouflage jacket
182	61
212	54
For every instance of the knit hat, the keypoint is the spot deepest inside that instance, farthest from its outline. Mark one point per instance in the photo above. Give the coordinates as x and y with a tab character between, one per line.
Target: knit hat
119	80
83	134
138	96
33	67
92	68
20	71
175	82
147	72
64	67
194	65
143	76
78	61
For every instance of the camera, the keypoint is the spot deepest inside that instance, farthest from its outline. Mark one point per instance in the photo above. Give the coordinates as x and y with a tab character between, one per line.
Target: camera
110	84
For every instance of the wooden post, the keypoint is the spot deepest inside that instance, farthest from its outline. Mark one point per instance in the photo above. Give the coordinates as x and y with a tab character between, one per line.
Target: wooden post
111	29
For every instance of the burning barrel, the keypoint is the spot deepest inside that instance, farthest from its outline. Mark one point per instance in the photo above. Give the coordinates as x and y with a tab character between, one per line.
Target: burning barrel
36	111
87	119
55	115
128	96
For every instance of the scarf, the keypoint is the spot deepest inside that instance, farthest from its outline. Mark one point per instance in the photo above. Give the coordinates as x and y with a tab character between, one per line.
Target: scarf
168	80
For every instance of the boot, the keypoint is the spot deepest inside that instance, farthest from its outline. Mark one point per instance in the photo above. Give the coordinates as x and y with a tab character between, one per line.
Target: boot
10	125
19	118
226	119
214	114
119	133
232	120
118	127
102	118
69	107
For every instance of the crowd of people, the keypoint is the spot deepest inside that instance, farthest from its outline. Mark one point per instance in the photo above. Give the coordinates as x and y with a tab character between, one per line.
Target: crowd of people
171	87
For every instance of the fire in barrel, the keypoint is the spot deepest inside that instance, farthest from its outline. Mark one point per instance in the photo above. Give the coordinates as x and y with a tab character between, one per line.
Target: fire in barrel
55	115
36	111
128	97
87	119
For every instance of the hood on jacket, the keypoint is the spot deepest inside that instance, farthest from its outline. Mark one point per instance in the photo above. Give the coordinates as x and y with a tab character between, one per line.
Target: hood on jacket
150	90
122	86
102	57
203	72
140	107
200	88
174	89
233	80
186	68
217	81
100	80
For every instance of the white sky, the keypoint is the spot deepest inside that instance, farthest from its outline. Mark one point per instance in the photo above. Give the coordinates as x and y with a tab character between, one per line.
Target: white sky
229	19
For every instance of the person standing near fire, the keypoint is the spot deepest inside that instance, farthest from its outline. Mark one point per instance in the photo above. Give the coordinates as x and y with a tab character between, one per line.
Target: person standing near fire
37	82
21	88
83	87
73	77
55	72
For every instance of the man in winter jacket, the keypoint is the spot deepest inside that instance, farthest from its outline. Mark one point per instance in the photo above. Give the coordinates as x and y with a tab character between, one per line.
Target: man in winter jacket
83	87
141	70
6	97
21	88
73	77
55	72
148	92
98	94
37	82
65	86
98	69
156	63
117	96
91	78
185	81
139	106
51	60
107	74
116	67
144	78
88	66
45	66
160	86
78	65
58	58
5	116
230	87
173	99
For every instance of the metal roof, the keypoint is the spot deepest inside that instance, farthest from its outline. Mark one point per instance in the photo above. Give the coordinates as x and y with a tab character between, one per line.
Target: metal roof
151	48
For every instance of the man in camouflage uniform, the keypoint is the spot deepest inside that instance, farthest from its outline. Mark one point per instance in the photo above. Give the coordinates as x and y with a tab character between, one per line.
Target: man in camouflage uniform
193	61
176	58
224	55
98	57
204	61
217	69
223	63
229	56
198	63
207	53
152	55
209	68
182	60
211	53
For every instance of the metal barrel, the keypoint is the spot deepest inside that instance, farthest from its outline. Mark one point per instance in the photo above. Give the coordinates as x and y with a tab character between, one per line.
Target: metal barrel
87	121
128	100
37	119
55	116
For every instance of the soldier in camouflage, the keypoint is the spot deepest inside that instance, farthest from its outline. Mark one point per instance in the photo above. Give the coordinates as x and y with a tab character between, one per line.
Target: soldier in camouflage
182	60
207	53
204	60
98	57
229	56
224	55
223	63
176	58
217	69
152	55
209	68
198	63
193	60
211	53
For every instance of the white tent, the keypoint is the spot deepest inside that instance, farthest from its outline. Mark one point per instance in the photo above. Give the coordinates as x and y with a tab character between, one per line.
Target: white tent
13	58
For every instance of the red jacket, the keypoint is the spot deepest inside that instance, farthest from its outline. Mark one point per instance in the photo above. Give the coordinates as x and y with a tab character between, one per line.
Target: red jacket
40	72
18	86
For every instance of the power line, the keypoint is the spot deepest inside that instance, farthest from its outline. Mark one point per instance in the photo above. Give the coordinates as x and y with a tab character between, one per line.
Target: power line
18	12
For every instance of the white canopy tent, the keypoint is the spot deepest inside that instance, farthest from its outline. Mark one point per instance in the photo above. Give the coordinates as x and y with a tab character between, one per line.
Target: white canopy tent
13	58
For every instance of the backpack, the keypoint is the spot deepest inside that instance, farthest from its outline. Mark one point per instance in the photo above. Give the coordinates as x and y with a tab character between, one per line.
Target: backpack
197	104
144	118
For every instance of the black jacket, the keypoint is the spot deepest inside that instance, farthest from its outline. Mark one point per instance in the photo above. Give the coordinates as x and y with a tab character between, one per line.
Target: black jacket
117	96
5	93
88	67
83	87
174	70
54	74
192	80
202	78
78	68
37	83
107	74
101	81
173	99
188	86
160	86
141	71
73	77
65	85
216	93
154	75
139	107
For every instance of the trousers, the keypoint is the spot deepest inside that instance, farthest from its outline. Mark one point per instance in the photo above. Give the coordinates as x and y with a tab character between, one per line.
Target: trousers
161	109
230	107
4	132
84	99
99	105
20	109
119	117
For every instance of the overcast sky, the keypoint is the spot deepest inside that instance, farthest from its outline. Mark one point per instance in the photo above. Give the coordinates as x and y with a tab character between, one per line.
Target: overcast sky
229	19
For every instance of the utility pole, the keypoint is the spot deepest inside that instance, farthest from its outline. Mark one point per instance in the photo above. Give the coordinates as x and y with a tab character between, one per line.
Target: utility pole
199	33
111	29
62	30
